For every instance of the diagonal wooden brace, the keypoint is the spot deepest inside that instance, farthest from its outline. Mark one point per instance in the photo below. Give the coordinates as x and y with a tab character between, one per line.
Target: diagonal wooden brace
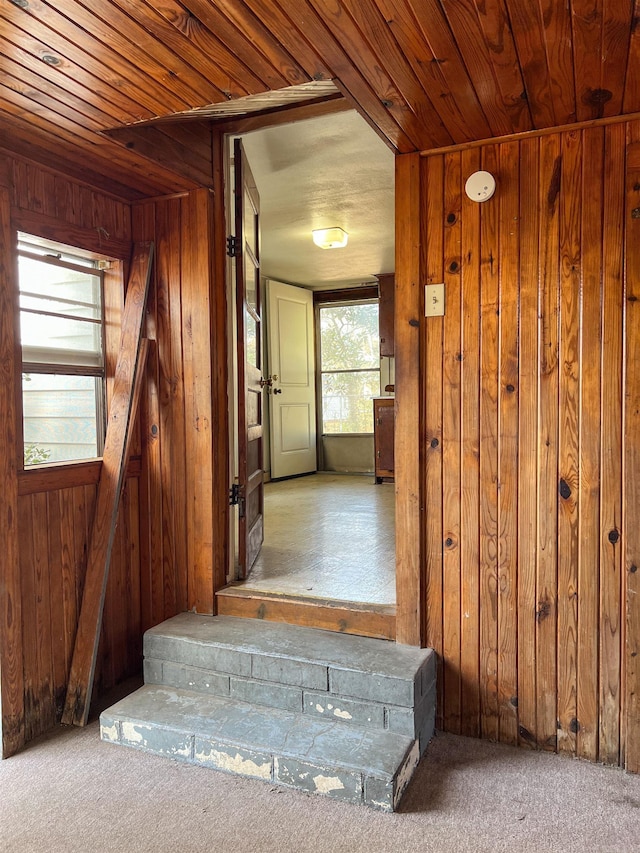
122	411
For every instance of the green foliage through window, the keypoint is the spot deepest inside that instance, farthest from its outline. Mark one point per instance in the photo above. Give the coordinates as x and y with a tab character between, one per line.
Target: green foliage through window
350	366
34	455
61	336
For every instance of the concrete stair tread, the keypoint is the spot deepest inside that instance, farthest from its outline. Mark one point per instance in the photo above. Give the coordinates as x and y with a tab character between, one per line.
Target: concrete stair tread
370	668
324	712
256	729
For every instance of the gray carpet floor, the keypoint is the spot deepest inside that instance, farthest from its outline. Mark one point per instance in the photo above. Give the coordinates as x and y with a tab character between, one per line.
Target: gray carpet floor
70	792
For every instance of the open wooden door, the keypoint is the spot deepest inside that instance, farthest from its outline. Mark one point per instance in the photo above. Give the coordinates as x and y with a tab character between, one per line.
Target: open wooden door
250	487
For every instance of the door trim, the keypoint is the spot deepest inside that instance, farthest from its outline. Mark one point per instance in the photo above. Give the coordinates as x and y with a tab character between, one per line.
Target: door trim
410	620
408	310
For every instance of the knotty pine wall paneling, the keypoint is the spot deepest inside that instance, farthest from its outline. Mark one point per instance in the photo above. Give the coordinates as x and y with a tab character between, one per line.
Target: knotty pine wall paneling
11	654
407	309
531	449
185	436
631	463
46	514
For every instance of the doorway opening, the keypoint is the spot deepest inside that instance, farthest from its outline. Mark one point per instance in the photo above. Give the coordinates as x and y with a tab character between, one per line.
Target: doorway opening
328	535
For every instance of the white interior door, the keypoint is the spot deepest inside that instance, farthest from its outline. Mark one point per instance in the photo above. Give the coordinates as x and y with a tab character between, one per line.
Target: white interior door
290	342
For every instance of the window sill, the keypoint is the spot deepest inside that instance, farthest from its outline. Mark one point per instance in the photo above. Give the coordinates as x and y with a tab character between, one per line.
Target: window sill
346	434
67	475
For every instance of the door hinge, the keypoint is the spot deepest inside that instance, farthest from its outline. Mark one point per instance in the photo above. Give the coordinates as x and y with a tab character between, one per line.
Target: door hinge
236	498
233	247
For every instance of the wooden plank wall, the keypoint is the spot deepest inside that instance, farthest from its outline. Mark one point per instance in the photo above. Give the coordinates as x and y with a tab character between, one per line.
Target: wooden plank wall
171	551
44	555
530	474
53	529
185	437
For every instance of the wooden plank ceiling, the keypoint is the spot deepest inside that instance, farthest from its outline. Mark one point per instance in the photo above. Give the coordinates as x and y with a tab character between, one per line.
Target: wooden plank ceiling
424	73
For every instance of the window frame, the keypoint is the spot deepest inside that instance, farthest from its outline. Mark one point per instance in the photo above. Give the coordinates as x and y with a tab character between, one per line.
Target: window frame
30	245
333	300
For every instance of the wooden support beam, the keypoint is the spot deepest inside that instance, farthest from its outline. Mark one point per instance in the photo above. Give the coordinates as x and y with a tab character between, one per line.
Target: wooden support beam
11	669
126	393
409	569
631	597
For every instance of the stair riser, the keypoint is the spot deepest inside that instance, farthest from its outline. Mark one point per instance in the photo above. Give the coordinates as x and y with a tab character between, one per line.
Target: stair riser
287	671
336	782
341	716
413	722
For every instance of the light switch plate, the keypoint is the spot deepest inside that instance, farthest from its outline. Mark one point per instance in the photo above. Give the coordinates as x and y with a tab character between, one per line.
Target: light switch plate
434	300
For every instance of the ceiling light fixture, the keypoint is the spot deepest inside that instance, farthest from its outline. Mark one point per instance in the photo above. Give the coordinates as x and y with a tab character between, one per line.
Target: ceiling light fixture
330	238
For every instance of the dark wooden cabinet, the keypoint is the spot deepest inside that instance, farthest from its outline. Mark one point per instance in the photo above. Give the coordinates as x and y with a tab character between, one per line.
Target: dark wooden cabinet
385	294
383	422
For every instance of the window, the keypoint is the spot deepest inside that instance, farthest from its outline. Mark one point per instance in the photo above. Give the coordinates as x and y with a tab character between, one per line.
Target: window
349	366
61	331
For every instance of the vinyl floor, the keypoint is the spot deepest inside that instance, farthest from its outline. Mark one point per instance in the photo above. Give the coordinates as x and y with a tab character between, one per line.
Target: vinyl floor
328	536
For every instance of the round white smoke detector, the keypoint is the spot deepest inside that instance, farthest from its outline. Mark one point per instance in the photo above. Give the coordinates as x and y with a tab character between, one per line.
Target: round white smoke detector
480	186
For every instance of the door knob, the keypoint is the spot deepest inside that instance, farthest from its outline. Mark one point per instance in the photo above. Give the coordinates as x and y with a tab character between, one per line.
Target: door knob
268	381
277	390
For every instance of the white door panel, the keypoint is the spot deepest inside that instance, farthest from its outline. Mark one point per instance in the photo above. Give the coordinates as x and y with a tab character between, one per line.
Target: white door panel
295	428
292	400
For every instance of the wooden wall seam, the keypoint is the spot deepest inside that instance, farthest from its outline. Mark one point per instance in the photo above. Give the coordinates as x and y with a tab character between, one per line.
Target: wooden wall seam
408	308
11	622
46	514
524	519
631	529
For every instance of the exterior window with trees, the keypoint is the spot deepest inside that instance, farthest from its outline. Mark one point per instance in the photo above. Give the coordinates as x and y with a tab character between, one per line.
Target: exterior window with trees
349	366
62	340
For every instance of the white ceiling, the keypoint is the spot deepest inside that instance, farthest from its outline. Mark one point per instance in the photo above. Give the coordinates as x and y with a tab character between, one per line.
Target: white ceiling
320	173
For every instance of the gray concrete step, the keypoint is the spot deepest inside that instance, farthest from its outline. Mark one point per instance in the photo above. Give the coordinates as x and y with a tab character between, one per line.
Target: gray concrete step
335	714
361	681
317	755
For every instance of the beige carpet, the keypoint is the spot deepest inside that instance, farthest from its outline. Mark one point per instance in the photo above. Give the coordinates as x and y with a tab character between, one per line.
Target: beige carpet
70	792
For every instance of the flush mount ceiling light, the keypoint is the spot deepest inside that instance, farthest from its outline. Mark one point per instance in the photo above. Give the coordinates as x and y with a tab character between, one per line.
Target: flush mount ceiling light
330	238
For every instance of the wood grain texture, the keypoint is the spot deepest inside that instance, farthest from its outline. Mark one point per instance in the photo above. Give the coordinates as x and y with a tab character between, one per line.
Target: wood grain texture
364	620
171	147
631	97
568	442
508	392
222	546
117	442
150	488
591	380
486	43
432	254
554	495
529	37
409	574
196	353
185	445
549	187
610	634
489	460
318	38
470	458
451	444
528	462
11	653
374	35
426	40
631	585
422	74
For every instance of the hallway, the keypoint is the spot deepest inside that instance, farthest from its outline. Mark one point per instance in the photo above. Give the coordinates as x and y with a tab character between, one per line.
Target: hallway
329	536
